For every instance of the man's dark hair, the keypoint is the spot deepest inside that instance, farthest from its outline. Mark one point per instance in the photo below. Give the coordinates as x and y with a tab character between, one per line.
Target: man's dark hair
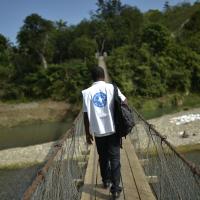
97	73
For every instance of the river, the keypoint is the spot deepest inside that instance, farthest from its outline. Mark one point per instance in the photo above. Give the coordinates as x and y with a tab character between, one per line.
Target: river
14	182
194	157
38	133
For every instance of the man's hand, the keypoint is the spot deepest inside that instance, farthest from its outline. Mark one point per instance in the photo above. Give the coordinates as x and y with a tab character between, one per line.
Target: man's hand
89	138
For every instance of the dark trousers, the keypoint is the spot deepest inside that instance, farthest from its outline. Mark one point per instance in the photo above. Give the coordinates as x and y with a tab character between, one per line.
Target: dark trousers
108	148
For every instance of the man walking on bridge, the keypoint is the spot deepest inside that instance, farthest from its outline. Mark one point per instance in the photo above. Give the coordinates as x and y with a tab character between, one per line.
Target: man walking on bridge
98	108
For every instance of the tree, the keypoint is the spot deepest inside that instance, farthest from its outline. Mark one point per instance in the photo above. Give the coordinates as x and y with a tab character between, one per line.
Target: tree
102	33
61	39
120	68
180	68
83	28
6	67
144	59
82	48
157	37
108	8
148	84
101	7
34	38
166	6
132	23
193	25
3	43
5	51
153	16
190	32
61	25
175	18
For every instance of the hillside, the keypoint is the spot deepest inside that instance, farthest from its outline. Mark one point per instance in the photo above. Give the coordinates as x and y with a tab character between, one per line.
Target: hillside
150	55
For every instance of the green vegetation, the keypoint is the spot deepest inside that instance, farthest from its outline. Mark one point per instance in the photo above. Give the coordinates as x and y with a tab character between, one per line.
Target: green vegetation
49	62
188	148
154	57
171	103
21	165
160	70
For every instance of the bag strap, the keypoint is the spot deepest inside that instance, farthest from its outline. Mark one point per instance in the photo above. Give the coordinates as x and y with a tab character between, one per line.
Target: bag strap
115	96
115	90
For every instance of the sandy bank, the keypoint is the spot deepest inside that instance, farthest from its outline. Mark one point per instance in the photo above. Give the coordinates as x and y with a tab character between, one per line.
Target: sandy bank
36	154
19	157
25	156
166	127
24	113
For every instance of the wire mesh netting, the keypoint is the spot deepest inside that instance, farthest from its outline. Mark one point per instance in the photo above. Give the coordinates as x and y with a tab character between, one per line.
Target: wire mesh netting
63	174
172	176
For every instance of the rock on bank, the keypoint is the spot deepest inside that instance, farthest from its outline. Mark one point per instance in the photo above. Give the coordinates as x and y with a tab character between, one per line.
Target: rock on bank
168	127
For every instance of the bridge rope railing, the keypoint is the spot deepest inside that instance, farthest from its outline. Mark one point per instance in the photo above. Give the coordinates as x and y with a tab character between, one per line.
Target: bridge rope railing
171	175
62	176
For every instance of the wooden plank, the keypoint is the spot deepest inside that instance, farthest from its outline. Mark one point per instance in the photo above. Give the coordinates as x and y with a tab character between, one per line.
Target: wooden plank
144	162
152	179
122	197
82	164
142	185
104	194
101	193
85	152
88	190
129	186
135	185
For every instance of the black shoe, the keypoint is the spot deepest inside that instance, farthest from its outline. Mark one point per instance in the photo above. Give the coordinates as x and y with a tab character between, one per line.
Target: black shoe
115	195
115	189
106	185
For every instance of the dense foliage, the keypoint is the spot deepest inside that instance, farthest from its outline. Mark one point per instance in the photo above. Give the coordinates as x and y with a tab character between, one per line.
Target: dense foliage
150	54
162	57
49	62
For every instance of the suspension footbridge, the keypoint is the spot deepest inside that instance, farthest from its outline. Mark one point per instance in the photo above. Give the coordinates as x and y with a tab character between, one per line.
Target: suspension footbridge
151	168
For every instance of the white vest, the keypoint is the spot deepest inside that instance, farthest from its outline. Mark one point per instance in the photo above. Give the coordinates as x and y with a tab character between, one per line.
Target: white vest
98	102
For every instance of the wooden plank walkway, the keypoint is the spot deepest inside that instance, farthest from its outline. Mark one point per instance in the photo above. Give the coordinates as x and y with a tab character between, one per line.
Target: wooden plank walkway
133	180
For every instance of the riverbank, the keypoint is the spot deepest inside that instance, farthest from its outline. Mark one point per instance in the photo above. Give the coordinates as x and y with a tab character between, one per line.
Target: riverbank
31	155
25	156
28	113
168	104
168	127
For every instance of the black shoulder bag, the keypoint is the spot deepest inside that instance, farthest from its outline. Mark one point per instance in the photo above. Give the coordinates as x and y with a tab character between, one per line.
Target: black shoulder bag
123	116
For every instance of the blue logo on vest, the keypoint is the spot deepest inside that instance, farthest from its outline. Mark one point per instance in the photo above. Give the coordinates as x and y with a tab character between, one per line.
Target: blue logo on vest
100	99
